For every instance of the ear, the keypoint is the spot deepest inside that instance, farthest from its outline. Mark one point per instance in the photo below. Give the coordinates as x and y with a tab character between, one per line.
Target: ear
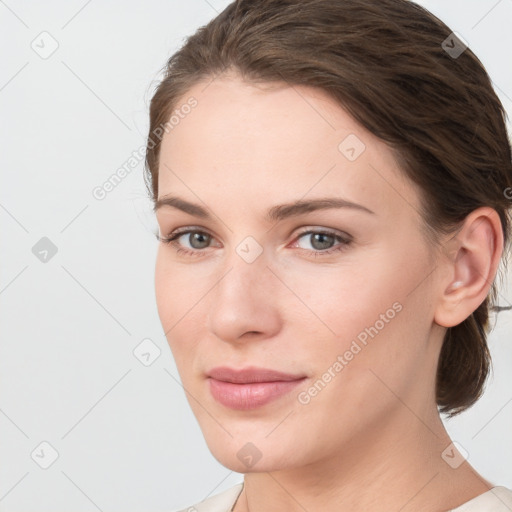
475	254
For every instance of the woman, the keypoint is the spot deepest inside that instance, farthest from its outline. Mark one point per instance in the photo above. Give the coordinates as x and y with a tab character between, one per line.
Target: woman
330	181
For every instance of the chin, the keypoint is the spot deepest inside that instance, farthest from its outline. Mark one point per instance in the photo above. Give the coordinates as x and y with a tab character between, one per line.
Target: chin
242	455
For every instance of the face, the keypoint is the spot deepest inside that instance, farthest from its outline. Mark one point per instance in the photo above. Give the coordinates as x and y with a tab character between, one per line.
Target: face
340	296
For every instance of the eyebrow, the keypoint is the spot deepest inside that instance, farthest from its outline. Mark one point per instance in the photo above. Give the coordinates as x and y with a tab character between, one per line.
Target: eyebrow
276	213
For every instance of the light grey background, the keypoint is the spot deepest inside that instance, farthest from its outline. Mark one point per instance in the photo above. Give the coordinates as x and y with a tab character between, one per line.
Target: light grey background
125	437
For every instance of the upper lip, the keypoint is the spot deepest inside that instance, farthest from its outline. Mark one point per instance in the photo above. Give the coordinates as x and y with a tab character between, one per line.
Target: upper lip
250	374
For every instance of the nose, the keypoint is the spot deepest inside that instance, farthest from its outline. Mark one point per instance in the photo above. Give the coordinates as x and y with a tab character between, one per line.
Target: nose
244	302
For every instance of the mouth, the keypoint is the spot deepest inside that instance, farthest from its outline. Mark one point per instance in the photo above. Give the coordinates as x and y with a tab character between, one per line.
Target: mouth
250	375
249	388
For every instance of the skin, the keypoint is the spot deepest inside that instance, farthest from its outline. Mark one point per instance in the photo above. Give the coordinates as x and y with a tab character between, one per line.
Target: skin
372	438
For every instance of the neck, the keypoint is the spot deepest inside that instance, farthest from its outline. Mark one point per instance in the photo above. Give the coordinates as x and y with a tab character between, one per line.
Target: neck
397	466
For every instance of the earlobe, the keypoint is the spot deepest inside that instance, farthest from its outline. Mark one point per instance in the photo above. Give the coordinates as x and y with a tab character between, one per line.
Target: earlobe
479	245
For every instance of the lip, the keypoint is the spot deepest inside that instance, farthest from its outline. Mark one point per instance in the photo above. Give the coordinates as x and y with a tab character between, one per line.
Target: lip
250	374
251	387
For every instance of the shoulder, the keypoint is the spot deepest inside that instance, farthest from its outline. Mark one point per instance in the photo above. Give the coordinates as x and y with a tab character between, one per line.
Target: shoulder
497	499
221	502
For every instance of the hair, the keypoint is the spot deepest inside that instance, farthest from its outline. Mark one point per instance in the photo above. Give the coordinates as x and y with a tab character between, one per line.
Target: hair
387	63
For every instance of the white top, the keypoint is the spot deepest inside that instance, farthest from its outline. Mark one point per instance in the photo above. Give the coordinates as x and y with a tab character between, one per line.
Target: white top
497	499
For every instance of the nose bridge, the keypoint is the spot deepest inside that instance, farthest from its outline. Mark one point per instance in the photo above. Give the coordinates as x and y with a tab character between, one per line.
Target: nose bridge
243	298
247	275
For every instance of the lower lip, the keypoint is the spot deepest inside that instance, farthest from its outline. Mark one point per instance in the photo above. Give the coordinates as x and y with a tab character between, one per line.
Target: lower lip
249	396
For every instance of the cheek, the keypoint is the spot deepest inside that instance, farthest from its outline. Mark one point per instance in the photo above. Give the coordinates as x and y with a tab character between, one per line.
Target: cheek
177	289
173	298
365	311
340	301
163	287
181	293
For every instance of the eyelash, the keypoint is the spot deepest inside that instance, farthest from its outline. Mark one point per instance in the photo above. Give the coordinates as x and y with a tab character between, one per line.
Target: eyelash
172	240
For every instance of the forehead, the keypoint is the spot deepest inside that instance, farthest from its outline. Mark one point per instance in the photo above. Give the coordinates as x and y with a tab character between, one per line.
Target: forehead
274	143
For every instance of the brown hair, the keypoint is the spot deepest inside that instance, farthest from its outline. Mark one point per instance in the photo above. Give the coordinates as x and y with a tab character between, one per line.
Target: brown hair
394	67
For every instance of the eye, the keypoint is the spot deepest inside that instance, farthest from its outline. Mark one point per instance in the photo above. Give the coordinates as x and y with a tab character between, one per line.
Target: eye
197	239
322	241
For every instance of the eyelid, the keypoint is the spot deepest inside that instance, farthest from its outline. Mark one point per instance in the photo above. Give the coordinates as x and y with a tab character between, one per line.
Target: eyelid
174	234
329	231
304	230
